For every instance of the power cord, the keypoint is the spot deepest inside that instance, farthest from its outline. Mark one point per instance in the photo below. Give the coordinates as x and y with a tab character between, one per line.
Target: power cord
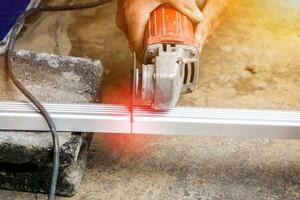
10	58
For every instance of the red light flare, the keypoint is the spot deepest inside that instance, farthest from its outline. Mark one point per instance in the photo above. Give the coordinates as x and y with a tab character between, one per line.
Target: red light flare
123	146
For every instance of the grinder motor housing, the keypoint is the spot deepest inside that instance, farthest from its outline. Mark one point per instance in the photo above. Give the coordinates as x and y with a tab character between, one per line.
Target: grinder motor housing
171	58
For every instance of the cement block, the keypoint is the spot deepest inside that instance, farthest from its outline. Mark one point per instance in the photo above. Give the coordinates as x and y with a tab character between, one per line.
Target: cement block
26	157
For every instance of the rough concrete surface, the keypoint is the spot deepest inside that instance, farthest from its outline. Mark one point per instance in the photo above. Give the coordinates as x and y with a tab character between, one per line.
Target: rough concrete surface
26	157
252	62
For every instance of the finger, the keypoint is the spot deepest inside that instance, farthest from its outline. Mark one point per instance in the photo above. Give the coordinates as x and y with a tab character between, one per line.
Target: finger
217	10
201	33
188	8
120	18
136	24
203	28
214	14
200	3
206	29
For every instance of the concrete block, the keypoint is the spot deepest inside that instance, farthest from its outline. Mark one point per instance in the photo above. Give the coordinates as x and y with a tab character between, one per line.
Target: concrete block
26	157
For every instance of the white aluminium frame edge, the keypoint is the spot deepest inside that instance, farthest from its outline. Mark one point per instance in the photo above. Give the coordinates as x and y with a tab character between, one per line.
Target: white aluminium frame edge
105	118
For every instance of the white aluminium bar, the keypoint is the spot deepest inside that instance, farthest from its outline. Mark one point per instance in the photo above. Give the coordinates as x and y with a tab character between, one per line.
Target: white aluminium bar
178	121
67	117
222	122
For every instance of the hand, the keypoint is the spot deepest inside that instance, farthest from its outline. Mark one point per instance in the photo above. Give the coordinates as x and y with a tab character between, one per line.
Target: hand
215	12
133	15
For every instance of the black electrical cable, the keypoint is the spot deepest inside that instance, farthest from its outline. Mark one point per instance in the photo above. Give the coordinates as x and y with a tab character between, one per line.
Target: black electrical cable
10	58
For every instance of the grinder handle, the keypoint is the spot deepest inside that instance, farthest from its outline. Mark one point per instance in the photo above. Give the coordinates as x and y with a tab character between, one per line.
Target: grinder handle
168	25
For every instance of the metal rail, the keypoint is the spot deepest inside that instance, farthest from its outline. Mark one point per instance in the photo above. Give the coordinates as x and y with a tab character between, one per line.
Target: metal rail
178	121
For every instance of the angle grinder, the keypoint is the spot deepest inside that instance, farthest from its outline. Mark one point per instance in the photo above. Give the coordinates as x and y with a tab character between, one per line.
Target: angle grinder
171	59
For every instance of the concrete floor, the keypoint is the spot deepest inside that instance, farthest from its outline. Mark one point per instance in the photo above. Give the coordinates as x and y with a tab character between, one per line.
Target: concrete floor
251	62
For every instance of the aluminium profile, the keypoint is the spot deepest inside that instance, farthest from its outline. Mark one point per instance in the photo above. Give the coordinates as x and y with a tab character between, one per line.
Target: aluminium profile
104	118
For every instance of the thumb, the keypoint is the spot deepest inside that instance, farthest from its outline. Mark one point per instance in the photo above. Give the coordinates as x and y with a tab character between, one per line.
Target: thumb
215	13
201	33
188	8
137	19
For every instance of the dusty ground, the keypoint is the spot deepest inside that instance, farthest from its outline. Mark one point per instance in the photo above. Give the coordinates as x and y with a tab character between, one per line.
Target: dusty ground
252	61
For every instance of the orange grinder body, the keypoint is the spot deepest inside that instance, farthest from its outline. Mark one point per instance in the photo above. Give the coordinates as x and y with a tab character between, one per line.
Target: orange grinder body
168	25
171	58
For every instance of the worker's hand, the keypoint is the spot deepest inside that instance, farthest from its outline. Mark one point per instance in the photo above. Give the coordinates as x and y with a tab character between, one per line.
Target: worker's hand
215	12
133	15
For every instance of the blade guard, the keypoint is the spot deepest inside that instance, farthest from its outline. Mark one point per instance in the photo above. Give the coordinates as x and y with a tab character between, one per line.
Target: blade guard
162	82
